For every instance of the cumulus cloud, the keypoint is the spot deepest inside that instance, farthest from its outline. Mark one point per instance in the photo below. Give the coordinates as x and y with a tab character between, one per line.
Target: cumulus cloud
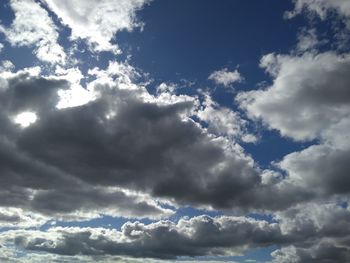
309	100
124	138
31	183
317	238
306	233
309	95
323	252
97	22
27	30
225	77
79	146
197	236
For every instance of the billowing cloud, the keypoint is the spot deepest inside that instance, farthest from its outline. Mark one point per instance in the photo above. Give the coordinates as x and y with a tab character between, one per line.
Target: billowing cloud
78	144
309	100
97	21
198	236
304	232
122	138
324	252
309	95
317	237
27	30
31	183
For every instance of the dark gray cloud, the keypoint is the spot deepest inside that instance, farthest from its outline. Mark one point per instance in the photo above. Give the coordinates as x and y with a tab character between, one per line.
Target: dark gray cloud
320	233
323	252
65	161
30	183
145	146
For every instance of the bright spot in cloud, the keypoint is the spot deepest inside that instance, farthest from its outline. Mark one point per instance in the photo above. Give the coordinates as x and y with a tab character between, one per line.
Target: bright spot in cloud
25	119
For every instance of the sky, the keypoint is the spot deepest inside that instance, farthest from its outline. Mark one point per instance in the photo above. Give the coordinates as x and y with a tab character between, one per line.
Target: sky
175	131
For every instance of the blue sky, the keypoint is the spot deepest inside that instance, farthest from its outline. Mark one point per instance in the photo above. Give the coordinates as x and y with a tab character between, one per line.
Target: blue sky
174	131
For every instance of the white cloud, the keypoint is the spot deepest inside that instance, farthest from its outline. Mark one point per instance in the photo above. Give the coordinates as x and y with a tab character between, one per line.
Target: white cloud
32	26
6	65
20	218
97	21
225	77
307	40
308	100
223	121
309	94
321	7
76	95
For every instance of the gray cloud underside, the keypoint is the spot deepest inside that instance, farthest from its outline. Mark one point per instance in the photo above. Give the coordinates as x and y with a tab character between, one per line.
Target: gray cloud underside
309	100
64	163
305	233
145	147
74	153
195	237
120	153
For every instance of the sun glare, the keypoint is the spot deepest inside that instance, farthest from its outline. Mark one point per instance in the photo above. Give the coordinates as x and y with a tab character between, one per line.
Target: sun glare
25	119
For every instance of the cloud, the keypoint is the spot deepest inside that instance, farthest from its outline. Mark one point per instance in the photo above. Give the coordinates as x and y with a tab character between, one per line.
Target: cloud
225	77
223	121
321	7
308	40
304	232
77	146
27	30
338	10
320	238
97	22
323	252
308	100
17	217
198	236
125	138
309	95
321	167
33	184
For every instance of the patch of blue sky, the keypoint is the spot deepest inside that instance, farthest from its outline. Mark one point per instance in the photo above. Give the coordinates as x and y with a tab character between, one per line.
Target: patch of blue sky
178	41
